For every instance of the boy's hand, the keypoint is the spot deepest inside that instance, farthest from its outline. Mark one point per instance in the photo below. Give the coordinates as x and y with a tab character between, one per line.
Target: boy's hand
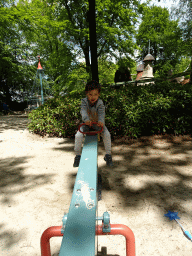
100	124
88	123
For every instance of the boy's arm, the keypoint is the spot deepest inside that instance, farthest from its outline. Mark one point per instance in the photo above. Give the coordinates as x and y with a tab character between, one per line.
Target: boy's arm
84	114
101	112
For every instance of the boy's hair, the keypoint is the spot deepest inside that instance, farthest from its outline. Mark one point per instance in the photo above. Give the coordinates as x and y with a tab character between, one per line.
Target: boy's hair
92	85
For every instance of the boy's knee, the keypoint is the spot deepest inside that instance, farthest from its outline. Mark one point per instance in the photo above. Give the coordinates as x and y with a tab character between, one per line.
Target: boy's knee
79	135
107	135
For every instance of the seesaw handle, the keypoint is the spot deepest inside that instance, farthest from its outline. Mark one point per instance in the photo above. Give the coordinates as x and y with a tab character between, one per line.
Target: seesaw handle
92	132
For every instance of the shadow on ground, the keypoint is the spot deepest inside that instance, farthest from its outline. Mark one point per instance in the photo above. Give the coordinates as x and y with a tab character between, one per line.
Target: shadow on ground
145	172
9	237
13	180
14	122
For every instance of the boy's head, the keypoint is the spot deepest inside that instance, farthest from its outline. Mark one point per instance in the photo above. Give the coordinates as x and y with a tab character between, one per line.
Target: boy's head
92	90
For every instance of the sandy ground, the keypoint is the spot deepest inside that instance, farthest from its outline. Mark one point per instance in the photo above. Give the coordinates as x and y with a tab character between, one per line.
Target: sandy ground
151	176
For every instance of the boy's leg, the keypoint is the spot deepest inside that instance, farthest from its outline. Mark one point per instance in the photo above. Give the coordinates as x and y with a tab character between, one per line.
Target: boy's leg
106	140
107	144
78	143
77	148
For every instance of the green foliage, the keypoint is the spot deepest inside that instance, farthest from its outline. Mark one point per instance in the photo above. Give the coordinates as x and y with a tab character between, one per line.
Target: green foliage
126	63
47	34
59	31
77	78
106	71
130	111
15	51
165	38
57	117
115	26
10	51
183	65
183	11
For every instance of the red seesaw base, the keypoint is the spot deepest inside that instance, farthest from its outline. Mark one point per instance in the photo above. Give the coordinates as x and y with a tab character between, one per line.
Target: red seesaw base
116	229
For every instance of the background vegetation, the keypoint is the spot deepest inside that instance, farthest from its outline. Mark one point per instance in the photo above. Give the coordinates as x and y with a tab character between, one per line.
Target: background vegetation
130	111
58	31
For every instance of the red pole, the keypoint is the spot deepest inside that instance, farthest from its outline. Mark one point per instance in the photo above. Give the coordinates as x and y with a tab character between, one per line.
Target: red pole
116	229
47	234
120	229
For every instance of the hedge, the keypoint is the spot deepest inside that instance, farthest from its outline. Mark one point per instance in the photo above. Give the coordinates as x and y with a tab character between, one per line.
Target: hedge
130	111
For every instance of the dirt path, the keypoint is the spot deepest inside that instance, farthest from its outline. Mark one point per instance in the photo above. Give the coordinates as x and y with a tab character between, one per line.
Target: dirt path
150	177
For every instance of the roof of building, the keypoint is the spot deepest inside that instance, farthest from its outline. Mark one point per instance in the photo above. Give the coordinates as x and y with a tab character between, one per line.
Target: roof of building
149	57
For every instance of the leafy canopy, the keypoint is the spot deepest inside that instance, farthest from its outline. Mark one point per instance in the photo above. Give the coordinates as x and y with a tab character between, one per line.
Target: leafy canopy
165	38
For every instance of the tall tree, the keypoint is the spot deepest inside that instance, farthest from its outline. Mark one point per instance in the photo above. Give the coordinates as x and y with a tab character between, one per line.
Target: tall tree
11	73
115	26
164	35
58	31
184	12
47	37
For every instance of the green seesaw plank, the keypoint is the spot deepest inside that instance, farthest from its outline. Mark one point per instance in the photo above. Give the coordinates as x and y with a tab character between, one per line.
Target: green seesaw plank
79	234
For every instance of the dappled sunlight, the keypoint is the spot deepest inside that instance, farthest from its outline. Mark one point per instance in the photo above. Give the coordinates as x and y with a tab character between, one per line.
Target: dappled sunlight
10	237
135	183
138	182
188	183
15	180
13	122
149	175
178	157
161	144
117	158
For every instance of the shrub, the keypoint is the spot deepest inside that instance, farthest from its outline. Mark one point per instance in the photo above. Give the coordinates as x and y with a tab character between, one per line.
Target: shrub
132	111
57	117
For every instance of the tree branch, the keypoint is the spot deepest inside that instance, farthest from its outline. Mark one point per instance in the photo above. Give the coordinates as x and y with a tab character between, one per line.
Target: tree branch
72	22
111	23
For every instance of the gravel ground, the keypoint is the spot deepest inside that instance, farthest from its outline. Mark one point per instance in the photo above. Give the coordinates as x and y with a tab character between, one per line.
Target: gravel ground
151	176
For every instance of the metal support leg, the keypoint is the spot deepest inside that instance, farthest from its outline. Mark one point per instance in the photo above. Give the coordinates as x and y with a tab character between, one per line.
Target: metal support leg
120	229
99	186
116	229
47	234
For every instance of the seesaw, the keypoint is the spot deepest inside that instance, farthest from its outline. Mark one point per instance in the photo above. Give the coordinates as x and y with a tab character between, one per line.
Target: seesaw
80	226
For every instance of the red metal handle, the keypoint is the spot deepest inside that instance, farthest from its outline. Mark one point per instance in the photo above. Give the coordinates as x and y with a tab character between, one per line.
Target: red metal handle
92	132
47	234
116	229
120	229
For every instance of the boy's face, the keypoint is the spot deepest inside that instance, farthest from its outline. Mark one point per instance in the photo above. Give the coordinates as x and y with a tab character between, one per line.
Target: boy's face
93	95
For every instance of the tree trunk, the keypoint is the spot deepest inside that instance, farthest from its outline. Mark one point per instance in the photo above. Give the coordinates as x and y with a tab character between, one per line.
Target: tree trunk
190	81
93	40
7	93
87	60
155	56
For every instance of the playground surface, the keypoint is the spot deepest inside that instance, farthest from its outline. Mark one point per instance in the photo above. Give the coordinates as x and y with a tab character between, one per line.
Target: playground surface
151	176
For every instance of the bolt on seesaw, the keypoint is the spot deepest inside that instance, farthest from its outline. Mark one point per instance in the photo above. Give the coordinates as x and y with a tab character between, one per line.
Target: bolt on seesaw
79	225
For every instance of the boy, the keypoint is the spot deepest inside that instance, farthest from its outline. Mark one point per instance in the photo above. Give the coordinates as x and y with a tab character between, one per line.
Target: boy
93	110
